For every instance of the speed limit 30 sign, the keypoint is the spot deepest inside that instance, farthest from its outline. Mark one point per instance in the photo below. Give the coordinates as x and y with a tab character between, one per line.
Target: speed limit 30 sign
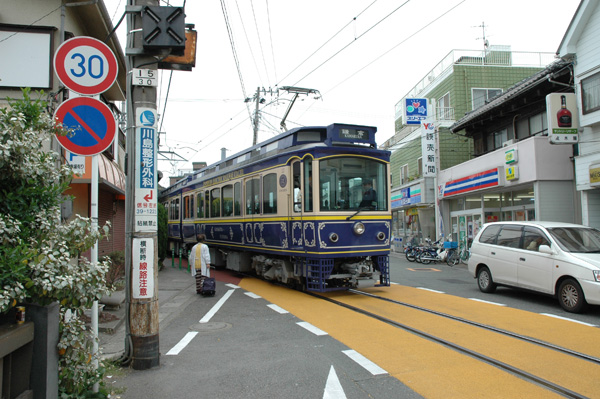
85	65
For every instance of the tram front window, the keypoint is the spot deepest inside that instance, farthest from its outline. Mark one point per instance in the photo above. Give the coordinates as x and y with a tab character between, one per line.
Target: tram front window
352	183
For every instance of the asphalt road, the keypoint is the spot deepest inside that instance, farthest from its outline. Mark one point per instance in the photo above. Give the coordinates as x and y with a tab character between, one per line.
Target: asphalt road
457	281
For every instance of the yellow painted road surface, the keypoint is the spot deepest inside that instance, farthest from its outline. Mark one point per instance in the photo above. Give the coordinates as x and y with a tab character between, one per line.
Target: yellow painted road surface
434	370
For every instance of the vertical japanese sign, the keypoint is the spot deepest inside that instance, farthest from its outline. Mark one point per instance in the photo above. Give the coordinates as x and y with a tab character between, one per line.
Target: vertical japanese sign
146	211
428	149
142	275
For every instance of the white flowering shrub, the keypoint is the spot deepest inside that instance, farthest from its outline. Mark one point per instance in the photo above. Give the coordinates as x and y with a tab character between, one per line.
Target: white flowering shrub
40	256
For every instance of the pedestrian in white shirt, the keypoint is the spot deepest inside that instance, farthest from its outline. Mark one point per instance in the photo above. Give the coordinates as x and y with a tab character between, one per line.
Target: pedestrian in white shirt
199	260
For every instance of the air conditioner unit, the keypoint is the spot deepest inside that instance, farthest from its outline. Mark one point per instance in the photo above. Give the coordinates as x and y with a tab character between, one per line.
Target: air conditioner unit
507	143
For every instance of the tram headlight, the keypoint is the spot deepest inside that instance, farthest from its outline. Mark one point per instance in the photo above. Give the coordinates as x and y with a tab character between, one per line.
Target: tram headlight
359	228
333	237
381	236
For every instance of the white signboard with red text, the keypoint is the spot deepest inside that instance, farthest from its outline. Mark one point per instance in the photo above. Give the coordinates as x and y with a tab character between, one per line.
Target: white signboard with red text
142	274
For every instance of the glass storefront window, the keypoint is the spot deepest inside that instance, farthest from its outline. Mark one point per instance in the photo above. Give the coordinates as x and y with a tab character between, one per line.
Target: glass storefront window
507	216
491	201
523	197
473	202
456	205
492	217
506	199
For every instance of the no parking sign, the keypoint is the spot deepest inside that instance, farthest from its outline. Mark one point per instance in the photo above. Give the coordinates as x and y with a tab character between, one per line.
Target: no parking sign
91	122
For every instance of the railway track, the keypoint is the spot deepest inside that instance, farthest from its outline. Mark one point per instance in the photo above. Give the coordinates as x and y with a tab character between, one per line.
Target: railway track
506	366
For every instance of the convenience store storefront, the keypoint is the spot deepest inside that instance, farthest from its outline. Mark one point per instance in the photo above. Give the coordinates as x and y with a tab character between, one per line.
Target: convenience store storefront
528	180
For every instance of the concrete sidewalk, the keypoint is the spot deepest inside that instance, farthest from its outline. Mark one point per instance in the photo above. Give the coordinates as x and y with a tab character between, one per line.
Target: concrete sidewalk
176	288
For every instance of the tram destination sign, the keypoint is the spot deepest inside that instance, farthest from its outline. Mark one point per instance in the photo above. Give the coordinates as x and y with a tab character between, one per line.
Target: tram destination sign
354	134
340	133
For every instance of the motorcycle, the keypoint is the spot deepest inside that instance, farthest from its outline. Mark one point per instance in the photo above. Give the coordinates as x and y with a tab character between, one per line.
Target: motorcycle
433	253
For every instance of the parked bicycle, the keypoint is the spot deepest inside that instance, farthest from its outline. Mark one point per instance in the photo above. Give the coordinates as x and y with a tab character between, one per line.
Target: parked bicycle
453	255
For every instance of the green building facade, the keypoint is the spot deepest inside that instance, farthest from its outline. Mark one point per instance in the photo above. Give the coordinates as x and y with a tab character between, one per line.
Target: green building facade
461	82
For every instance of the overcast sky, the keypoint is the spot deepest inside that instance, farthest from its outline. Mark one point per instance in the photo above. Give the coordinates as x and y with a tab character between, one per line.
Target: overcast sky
362	56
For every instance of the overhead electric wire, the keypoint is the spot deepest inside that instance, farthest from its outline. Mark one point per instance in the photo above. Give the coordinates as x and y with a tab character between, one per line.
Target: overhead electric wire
232	43
271	40
417	31
352	42
262	52
327	41
248	41
31	24
162	116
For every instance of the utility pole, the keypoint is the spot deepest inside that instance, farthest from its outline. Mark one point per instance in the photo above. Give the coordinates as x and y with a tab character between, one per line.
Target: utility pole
141	232
257	99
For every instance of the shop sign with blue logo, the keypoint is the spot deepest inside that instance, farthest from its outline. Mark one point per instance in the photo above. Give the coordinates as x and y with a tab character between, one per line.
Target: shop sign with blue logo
415	110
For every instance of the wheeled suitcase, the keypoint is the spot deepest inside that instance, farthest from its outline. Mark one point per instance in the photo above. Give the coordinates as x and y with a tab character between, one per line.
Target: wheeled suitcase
208	286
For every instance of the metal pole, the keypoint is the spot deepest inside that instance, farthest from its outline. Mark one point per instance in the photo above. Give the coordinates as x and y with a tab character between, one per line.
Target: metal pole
257	98
94	258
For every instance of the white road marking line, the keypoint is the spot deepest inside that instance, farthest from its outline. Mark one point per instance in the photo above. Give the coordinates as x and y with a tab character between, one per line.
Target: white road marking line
215	308
567	319
430	290
491	303
252	295
364	362
183	343
333	388
311	328
277	308
232	286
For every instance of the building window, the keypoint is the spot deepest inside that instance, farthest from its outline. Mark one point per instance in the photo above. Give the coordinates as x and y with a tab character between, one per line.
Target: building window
590	93
496	139
480	96
420	166
404	173
444	111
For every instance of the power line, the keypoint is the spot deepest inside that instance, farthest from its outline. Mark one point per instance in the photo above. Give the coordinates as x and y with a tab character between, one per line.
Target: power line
327	41
352	42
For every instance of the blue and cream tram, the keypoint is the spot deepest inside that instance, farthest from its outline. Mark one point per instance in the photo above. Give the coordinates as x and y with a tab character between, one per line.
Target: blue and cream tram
293	209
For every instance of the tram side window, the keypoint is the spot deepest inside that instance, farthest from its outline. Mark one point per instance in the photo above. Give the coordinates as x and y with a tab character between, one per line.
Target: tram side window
237	188
187	209
308	189
200	204
253	196
176	210
227	200
207	203
215	203
270	193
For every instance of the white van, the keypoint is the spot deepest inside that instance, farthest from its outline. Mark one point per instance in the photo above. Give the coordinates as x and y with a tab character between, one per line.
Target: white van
559	259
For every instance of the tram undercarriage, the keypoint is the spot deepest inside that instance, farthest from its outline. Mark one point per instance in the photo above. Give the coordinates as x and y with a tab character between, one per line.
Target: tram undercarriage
312	274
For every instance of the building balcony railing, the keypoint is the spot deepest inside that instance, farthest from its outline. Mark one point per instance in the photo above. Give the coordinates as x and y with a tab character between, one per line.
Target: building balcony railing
495	56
